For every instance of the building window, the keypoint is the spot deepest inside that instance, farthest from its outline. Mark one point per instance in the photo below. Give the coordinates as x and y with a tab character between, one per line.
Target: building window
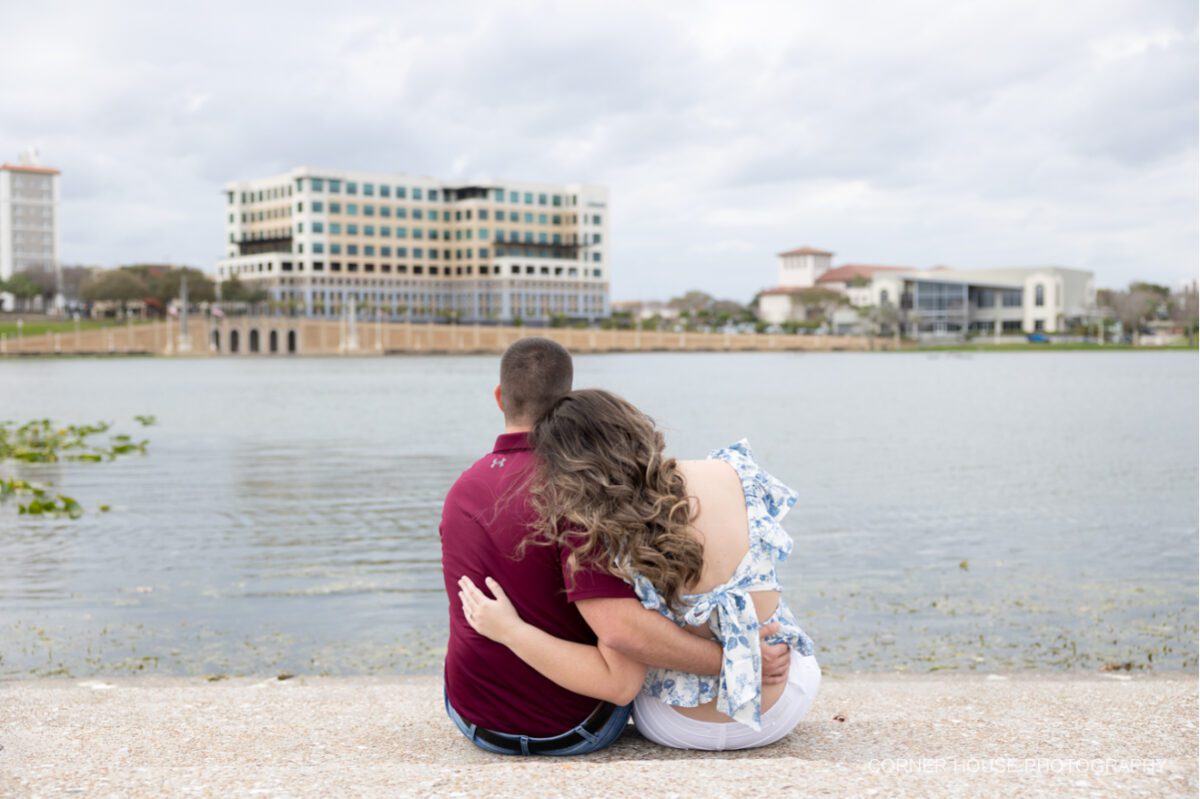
318	207
1039	295
351	249
335	187
317	227
317	184
351	188
368	189
1011	298
351	229
416	193
401	193
385	191
335	228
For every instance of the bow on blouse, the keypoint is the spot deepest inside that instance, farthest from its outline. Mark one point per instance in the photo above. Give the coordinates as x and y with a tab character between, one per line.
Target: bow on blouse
739	695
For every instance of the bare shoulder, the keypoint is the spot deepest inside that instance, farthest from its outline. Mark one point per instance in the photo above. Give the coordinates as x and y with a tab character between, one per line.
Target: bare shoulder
710	476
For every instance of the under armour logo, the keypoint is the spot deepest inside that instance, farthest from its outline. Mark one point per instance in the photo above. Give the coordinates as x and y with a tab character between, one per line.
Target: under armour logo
498	463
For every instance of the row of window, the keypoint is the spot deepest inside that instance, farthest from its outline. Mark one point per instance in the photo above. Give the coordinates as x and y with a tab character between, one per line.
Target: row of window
1009	298
399	302
336	186
386	231
263	195
402	212
352	267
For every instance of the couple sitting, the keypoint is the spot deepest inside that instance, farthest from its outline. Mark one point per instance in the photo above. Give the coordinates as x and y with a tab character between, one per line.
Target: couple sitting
592	577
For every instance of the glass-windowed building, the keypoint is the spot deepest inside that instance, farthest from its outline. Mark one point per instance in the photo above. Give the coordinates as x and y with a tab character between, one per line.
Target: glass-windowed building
995	302
403	247
29	233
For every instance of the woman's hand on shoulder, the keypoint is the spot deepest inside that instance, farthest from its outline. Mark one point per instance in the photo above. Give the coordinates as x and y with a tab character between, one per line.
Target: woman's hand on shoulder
495	619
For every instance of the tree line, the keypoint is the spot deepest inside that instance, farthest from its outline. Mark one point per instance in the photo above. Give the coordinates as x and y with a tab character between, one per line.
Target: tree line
153	286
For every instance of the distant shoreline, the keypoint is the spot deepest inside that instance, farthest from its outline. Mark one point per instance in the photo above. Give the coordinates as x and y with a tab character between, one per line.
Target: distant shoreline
972	349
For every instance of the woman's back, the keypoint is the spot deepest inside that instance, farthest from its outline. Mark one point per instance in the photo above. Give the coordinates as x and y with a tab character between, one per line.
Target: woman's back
721	525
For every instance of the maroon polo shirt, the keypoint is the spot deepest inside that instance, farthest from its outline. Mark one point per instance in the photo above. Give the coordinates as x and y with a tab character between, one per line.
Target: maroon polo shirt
486	515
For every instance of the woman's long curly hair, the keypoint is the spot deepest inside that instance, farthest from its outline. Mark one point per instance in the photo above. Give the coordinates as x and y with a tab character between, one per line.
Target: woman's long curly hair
605	492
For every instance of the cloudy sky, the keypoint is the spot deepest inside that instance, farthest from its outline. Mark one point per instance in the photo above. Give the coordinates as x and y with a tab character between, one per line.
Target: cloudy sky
915	133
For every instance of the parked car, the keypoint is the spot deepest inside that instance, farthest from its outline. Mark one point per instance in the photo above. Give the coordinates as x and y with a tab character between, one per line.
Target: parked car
1038	338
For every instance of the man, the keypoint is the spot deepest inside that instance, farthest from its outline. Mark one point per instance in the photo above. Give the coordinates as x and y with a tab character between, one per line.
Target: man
500	703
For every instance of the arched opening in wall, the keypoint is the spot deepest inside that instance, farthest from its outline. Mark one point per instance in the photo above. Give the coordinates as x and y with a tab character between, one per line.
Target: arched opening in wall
291	341
234	341
273	341
215	341
254	340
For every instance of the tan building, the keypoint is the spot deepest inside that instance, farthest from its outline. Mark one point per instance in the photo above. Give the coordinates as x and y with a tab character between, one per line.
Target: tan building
405	247
930	302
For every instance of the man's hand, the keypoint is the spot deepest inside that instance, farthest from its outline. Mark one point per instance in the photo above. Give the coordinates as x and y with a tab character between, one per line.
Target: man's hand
776	658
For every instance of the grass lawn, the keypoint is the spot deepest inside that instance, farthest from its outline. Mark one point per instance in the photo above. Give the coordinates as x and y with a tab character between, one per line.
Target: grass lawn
8	326
1027	347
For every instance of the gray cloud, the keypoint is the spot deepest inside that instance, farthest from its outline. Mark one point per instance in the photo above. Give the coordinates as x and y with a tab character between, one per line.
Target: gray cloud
915	133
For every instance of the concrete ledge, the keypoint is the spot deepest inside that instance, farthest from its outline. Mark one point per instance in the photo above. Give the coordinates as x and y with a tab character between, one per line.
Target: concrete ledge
945	735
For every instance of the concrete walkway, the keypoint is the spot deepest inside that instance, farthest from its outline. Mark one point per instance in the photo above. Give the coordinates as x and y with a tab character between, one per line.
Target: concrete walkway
952	735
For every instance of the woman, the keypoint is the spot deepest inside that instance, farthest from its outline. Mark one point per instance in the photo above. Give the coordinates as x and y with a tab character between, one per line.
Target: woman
698	540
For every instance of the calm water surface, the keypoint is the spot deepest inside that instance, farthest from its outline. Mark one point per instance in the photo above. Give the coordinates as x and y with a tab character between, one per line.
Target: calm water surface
992	511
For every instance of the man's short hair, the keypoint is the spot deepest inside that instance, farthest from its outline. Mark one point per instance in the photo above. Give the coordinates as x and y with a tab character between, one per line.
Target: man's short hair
534	373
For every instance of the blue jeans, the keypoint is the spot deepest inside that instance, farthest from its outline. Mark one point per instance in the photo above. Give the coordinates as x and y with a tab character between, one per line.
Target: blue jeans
593	742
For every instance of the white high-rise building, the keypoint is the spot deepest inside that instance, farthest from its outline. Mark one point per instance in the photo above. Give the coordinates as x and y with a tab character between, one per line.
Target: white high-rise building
28	219
319	241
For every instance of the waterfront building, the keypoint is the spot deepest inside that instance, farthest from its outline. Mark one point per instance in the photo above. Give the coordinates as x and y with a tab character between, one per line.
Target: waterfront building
29	236
320	241
935	301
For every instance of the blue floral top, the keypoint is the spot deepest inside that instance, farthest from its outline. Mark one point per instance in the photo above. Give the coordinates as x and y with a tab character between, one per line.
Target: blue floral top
728	608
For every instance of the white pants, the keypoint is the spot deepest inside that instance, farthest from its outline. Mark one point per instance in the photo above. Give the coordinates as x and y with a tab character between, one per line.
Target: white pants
661	723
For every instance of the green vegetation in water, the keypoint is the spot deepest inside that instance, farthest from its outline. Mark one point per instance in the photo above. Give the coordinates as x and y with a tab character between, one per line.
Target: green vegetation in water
41	441
42	502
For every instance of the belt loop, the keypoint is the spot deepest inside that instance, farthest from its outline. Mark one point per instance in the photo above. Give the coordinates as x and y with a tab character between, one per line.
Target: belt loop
524	744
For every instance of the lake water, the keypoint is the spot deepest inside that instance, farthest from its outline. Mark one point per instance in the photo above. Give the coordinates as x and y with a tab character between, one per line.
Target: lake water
984	511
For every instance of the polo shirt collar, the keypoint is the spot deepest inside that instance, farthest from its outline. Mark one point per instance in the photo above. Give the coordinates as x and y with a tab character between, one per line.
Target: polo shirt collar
512	442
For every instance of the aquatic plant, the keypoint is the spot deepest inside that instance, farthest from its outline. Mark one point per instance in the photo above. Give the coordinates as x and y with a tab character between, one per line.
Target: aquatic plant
41	441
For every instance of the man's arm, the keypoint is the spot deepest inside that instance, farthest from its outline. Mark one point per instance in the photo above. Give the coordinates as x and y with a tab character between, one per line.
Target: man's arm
651	638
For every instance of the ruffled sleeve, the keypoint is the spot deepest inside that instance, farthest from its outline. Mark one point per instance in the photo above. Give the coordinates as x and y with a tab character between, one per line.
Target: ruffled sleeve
768	500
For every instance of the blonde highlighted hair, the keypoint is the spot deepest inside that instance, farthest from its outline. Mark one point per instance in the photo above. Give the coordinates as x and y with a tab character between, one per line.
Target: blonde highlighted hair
604	490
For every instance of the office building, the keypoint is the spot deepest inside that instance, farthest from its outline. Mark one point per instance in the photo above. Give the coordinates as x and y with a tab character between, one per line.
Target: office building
399	247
